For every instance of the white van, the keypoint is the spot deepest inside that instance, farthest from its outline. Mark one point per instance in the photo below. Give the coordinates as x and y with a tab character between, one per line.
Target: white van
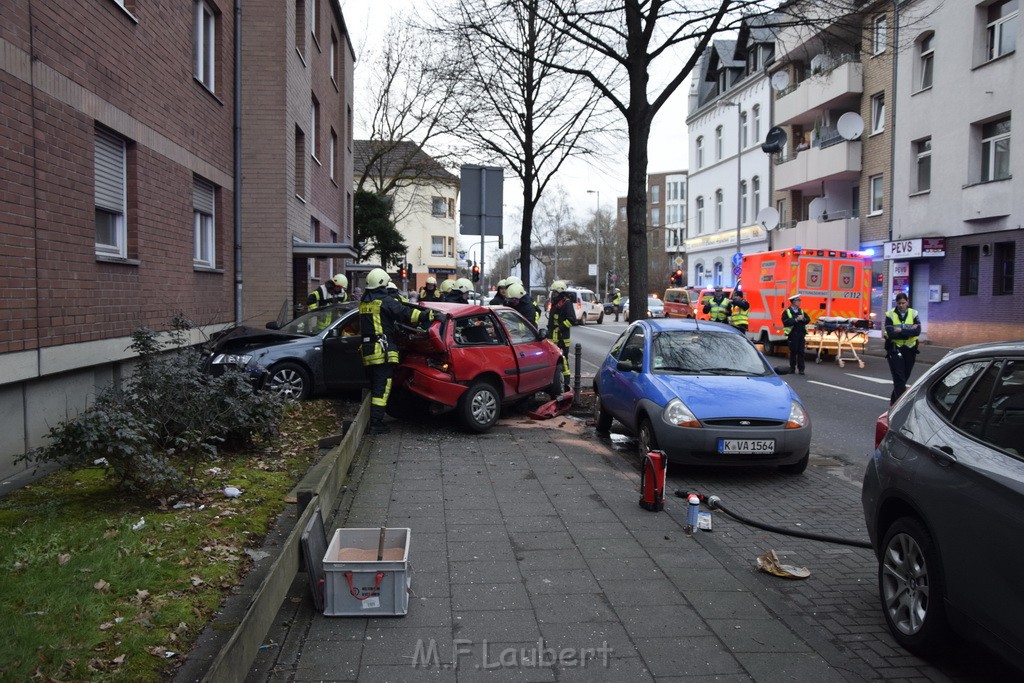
588	308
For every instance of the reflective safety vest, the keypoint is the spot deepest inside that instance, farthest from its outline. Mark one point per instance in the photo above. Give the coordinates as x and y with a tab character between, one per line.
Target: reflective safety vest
378	313
894	319
719	310
739	316
787	317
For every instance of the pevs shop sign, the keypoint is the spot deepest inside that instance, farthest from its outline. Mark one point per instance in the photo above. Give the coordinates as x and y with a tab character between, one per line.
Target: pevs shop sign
927	247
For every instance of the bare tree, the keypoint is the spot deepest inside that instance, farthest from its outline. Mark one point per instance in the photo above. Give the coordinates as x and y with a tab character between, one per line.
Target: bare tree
553	234
529	114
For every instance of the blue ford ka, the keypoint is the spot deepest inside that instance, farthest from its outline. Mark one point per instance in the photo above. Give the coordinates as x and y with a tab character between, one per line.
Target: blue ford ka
701	392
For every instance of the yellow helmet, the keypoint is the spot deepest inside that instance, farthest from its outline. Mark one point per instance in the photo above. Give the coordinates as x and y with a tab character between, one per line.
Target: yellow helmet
463	285
501	283
376	278
340	280
446	285
511	279
392	286
431	280
559	286
515	291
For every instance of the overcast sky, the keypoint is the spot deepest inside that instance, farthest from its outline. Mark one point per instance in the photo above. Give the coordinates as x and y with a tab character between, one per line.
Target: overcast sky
667	151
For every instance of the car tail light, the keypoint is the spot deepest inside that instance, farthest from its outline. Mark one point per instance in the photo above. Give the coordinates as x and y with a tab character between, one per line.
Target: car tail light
441	364
881	427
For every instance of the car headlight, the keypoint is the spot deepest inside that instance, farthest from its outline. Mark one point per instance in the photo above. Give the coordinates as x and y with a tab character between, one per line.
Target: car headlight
678	415
798	417
241	360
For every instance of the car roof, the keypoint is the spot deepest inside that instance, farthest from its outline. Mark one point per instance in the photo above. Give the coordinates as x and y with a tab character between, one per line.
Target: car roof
686	324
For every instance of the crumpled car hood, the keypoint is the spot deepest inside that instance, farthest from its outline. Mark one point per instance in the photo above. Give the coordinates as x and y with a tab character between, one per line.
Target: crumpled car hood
243	337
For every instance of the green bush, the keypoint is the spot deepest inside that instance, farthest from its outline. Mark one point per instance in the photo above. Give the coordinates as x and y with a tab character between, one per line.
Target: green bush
167	418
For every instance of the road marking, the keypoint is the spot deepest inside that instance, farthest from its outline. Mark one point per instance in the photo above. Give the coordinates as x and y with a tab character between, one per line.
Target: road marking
852	391
869	379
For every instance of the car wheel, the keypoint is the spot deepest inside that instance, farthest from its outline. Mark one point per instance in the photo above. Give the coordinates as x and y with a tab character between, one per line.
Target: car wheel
602	419
481	406
646	441
797	467
583	319
600	318
768	344
910	587
290	381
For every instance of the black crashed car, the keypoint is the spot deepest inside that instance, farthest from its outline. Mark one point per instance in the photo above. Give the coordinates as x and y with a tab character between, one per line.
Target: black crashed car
316	353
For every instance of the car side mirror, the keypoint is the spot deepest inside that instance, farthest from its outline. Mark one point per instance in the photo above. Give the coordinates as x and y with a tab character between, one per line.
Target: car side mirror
541	335
272	325
626	366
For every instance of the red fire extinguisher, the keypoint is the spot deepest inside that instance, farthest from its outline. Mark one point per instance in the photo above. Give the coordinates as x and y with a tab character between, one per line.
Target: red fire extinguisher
652	481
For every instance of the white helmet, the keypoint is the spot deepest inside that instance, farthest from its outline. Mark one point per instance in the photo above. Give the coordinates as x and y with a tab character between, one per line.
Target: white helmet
513	279
431	280
559	286
463	285
392	286
515	291
340	280
501	283
446	285
376	278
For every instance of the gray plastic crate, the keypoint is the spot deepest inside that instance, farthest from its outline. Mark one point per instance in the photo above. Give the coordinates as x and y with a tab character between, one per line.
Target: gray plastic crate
388	596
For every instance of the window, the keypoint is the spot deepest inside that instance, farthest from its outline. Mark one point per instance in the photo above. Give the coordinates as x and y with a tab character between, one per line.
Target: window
878	34
876	195
780	206
993	410
743	202
718	143
743	130
334	58
719	200
450	248
330	261
333	152
756	122
300	29
300	163
314	127
995	150
877	113
655	217
717	280
205	44
314	236
1002	278
926	60
948	390
700	152
202	213
700	215
698	274
969	256
438	207
110	166
451	207
755	184
1001	33
437	245
923	153
655	194
314	17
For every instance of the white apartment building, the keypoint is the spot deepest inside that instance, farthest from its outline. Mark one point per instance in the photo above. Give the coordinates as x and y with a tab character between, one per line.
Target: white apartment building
675	216
729	176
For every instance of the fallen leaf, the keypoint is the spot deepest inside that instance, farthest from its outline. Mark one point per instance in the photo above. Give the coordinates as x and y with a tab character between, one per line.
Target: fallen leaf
196	581
119	659
63	559
101	586
158	651
106	625
141	595
110	533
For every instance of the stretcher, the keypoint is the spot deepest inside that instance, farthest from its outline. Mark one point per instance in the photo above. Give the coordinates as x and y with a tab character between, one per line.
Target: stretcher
834	334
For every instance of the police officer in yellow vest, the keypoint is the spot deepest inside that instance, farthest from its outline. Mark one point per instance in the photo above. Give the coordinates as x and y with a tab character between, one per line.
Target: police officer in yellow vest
719	307
561	319
902	328
378	313
794	324
617	303
740	307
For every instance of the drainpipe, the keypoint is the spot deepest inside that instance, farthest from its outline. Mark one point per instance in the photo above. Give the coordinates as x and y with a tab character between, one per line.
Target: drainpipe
238	162
892	132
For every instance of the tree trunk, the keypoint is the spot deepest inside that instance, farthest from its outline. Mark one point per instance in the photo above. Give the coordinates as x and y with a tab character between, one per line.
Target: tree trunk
636	216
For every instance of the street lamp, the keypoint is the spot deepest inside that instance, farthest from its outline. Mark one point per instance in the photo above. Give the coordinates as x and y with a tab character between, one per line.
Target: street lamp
739	176
597	240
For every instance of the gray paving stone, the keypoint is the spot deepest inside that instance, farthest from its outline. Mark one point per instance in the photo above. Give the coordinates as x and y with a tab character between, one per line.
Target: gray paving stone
538	523
429	561
477	532
613	670
484	572
700	579
377	673
404	646
790	666
541	540
572	609
689	656
482	516
583	530
493	597
649	591
500	626
757	635
550	559
726	604
424	612
330	660
495	550
323	628
477	501
559	581
686	557
429	584
610	548
661	621
531	508
625	569
506	661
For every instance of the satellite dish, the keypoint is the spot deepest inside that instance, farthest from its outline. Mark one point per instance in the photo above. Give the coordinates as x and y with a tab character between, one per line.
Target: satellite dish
768	217
820	62
780	81
775	141
816	208
850	125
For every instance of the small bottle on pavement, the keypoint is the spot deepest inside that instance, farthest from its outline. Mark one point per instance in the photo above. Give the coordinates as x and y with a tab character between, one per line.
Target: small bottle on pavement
691	513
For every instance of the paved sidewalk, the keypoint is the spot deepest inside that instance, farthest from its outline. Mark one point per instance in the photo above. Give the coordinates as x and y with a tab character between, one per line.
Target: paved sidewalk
532	533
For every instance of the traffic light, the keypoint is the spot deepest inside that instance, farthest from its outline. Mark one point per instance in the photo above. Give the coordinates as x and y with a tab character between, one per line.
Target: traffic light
403	273
476	273
676	279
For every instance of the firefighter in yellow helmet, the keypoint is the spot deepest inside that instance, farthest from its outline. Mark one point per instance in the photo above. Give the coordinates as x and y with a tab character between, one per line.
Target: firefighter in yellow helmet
561	319
334	291
394	293
500	295
460	291
378	313
446	288
517	298
429	291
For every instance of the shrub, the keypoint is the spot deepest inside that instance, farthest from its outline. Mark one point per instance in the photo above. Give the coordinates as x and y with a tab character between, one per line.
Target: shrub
168	418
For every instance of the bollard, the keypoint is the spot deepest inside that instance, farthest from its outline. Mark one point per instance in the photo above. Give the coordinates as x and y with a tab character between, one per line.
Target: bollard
579	361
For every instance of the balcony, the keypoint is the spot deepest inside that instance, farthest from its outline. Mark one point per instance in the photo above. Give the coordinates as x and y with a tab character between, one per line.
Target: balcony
809	167
841	234
823	90
984	200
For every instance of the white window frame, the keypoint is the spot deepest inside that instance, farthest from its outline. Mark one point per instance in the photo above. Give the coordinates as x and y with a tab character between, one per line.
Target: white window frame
756	125
437	245
744	141
436	202
333	153
205	48
923	162
879	34
655	217
743	201
700	151
655	194
314	10
755	194
989	148
111	197
314	118
698	274
719	205
311	262
700	215
719	270
718	143
926	61
334	58
998	30
876	191
878	113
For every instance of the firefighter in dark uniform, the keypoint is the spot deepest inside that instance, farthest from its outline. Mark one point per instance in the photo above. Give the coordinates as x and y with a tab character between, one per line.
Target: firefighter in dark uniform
516	298
561	319
740	307
902	328
395	294
794	324
445	288
334	291
429	291
501	297
719	307
378	313
460	291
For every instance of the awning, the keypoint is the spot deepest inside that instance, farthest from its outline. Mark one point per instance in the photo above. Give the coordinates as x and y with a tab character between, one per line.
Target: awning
322	249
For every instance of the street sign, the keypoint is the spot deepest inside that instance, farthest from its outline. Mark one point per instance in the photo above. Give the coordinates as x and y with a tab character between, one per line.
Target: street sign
591	269
736	270
614	277
737	259
678	260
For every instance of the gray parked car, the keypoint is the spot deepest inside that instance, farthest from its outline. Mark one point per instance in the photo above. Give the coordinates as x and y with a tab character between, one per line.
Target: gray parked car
944	504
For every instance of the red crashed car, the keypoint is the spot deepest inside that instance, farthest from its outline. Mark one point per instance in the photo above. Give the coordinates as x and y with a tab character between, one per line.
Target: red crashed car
474	361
